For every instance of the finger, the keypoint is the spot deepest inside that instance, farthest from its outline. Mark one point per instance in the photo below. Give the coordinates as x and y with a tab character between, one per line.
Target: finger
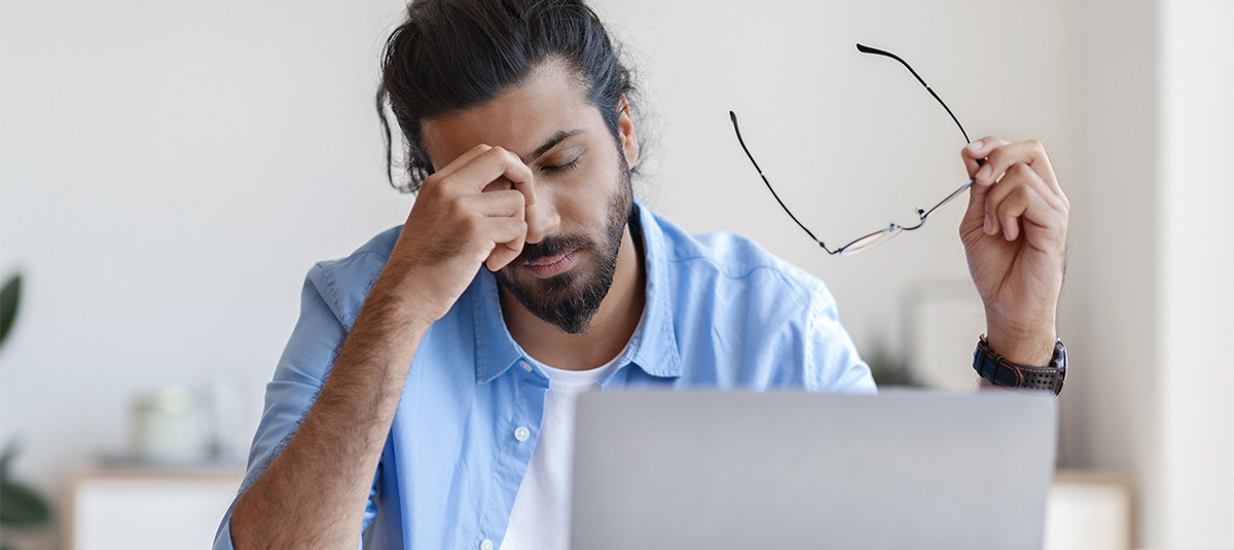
1020	210
1042	166
974	214
500	204
1044	169
462	160
497	163
974	153
507	236
508	203
1030	153
485	168
1009	211
1020	194
1008	185
1022	175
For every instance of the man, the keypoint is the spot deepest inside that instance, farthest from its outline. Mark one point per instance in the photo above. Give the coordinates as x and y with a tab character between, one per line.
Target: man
425	397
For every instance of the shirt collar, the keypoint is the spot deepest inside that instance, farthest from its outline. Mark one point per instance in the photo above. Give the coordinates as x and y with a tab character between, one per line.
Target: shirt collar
653	347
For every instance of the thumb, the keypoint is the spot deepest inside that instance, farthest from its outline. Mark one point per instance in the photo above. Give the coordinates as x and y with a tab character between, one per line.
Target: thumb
974	215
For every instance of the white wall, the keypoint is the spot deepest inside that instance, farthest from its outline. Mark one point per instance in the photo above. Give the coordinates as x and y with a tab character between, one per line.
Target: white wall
1112	404
1197	259
170	170
168	173
1149	290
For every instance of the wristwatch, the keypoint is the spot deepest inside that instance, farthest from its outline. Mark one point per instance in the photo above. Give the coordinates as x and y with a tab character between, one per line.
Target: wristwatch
1001	372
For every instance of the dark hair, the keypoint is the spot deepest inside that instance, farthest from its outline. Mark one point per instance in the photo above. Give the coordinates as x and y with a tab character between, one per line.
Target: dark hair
451	55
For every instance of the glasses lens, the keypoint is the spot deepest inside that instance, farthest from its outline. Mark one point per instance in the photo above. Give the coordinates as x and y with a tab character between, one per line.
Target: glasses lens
870	241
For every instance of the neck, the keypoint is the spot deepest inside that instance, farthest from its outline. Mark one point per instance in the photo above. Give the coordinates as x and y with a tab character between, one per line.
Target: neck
611	328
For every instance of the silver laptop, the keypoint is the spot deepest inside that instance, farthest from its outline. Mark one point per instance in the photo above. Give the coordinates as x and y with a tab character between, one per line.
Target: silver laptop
722	470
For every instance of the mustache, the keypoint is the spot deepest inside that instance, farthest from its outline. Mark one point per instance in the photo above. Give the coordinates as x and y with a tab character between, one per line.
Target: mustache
552	246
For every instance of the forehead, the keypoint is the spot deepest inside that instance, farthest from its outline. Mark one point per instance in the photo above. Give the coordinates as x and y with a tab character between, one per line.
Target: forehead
551	100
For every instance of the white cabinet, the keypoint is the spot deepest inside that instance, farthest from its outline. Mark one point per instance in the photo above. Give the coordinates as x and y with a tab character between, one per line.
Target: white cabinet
1088	511
154	508
148	508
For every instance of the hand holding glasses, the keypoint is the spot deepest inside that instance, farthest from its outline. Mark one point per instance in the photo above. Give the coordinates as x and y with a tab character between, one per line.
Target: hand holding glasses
870	240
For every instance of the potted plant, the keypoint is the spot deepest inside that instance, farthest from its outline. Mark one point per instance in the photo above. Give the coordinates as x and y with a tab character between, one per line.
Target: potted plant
20	506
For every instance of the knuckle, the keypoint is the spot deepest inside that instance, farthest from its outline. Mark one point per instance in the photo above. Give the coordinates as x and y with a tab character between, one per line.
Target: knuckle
500	152
513	159
1022	193
430	185
470	226
458	209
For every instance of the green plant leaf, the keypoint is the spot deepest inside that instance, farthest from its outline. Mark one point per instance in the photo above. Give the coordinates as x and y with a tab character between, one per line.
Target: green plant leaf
22	507
9	298
10	452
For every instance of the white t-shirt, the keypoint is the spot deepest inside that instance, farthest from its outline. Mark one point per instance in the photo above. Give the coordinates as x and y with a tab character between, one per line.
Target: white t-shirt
541	516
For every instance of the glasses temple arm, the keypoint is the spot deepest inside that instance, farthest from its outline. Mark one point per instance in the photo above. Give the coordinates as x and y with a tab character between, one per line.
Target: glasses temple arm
740	140
924	214
875	51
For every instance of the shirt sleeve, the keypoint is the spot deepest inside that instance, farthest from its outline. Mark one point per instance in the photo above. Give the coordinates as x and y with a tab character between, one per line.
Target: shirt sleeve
301	371
832	361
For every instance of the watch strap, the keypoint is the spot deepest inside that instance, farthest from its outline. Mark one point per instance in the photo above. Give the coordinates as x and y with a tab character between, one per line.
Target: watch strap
999	371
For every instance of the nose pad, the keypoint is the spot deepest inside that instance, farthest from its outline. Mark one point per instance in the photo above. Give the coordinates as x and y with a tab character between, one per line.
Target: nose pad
542	219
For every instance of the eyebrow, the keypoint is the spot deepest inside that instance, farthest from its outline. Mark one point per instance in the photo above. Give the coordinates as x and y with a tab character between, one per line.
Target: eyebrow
553	141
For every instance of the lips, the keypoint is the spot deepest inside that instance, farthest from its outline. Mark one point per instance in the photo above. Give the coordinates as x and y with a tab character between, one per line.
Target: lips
549	266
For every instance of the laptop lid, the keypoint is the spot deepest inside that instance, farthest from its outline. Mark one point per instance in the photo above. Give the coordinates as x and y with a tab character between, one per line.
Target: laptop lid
711	469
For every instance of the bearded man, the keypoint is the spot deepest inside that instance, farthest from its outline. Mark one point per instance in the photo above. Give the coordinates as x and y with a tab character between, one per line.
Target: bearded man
425	397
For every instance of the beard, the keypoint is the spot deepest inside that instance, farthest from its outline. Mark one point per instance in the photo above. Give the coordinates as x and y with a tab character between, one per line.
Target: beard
570	300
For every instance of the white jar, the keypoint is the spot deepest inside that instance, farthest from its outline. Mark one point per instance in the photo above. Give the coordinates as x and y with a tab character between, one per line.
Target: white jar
165	427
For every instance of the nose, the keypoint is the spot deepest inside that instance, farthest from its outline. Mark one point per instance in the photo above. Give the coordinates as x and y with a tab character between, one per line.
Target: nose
542	219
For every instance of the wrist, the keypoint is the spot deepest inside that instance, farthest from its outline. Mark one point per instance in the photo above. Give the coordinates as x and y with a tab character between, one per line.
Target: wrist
1032	346
996	370
398	304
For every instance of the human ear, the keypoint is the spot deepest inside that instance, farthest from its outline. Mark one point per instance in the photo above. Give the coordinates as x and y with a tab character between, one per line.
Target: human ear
625	131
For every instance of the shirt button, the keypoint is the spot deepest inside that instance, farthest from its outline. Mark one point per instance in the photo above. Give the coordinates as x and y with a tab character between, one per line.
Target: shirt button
486	545
526	366
521	433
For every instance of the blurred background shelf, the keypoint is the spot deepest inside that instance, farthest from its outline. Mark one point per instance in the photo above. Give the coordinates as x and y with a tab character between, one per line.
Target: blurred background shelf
138	507
1089	510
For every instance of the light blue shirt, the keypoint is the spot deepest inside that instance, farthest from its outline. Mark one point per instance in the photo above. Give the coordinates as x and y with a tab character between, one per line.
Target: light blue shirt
720	312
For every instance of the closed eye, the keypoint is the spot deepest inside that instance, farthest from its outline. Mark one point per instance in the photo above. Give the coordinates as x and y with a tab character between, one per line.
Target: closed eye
562	167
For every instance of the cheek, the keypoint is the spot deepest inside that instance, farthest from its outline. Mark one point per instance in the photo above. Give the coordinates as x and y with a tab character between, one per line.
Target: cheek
582	197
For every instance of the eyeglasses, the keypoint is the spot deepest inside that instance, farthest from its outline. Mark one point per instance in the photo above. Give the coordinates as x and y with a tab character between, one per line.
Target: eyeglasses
885	234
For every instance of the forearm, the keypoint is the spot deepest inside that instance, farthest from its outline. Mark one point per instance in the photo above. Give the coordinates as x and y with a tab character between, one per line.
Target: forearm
314	491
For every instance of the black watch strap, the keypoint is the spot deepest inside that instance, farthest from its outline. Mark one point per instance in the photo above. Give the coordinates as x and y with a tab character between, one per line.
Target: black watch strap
999	371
